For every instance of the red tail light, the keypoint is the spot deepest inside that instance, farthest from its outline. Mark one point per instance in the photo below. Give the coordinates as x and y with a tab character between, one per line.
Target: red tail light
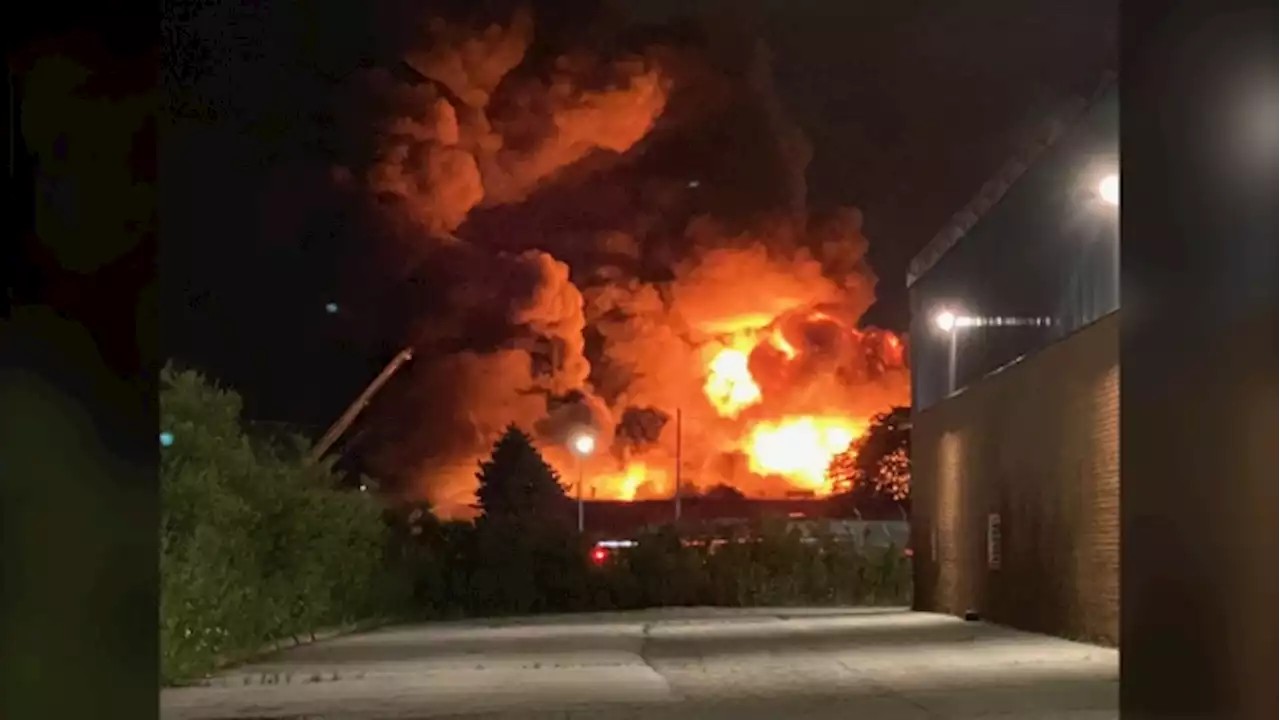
599	555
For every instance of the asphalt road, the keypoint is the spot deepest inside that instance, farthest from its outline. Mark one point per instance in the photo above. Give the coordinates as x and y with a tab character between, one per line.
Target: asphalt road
690	664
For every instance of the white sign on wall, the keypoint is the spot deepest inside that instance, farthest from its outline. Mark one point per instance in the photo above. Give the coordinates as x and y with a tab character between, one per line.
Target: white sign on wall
993	541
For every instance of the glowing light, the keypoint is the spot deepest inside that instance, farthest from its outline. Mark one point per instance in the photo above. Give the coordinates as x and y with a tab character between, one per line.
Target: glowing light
801	448
1109	189
583	444
945	320
166	439
599	555
331	308
729	386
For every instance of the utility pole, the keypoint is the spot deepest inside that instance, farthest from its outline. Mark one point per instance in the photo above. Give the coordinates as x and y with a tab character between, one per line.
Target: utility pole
951	362
344	422
679	489
581	517
582	444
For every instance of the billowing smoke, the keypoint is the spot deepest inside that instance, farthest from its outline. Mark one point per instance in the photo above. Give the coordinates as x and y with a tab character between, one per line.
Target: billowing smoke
471	132
599	236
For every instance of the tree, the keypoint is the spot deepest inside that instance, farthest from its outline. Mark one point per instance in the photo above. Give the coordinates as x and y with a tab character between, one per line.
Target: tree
256	543
517	485
876	467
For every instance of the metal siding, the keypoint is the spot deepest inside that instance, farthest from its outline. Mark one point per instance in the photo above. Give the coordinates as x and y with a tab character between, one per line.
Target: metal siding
1049	248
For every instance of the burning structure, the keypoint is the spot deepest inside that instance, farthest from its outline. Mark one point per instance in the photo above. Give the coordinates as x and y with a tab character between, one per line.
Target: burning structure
595	237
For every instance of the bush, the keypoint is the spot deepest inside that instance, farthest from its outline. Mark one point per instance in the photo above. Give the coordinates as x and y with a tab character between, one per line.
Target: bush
256	544
772	568
506	569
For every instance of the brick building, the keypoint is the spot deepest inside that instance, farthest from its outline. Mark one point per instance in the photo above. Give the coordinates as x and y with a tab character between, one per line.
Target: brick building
1015	383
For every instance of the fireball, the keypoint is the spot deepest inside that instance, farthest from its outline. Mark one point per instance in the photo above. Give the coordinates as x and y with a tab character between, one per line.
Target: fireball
800	448
729	386
792	431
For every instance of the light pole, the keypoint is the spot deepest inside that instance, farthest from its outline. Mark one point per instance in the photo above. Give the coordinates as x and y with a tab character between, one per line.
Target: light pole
679	489
582	444
946	322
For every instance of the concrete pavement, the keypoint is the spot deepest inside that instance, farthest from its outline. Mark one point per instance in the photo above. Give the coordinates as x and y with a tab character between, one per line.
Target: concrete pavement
672	664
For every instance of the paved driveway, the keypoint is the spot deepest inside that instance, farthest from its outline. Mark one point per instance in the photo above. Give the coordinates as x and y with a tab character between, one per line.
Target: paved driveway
699	664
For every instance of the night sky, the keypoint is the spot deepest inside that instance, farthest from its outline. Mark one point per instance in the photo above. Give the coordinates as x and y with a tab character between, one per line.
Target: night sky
913	105
909	107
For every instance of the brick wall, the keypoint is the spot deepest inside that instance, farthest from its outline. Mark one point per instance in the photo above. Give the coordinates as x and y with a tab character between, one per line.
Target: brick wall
1037	443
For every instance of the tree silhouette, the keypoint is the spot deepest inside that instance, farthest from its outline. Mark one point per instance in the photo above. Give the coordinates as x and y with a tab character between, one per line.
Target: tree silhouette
876	468
517	485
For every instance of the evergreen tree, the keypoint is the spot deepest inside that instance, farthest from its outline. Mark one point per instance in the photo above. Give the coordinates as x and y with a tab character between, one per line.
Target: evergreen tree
516	484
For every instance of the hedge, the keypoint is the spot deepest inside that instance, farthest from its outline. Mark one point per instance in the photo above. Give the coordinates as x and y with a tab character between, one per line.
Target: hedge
256	544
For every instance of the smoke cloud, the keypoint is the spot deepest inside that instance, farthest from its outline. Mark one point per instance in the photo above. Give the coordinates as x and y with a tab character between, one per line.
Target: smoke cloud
578	232
469	132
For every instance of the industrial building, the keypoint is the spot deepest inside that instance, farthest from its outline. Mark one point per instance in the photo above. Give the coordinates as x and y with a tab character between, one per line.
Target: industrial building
1015	390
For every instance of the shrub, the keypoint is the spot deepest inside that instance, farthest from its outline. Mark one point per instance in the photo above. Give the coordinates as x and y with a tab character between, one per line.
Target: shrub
511	569
256	544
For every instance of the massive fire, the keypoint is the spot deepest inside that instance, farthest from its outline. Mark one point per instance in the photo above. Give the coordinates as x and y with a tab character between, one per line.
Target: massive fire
797	448
801	448
586	272
785	446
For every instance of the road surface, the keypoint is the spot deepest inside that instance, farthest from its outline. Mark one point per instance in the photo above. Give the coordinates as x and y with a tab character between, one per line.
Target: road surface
682	664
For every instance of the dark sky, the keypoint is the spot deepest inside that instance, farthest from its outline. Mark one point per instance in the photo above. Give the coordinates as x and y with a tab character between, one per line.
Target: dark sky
909	106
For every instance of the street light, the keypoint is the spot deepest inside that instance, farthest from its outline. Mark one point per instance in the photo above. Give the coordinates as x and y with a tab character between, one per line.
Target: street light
1109	190
945	320
582	444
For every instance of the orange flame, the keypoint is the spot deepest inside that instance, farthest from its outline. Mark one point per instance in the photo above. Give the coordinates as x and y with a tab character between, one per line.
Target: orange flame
635	482
800	448
730	386
794	447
